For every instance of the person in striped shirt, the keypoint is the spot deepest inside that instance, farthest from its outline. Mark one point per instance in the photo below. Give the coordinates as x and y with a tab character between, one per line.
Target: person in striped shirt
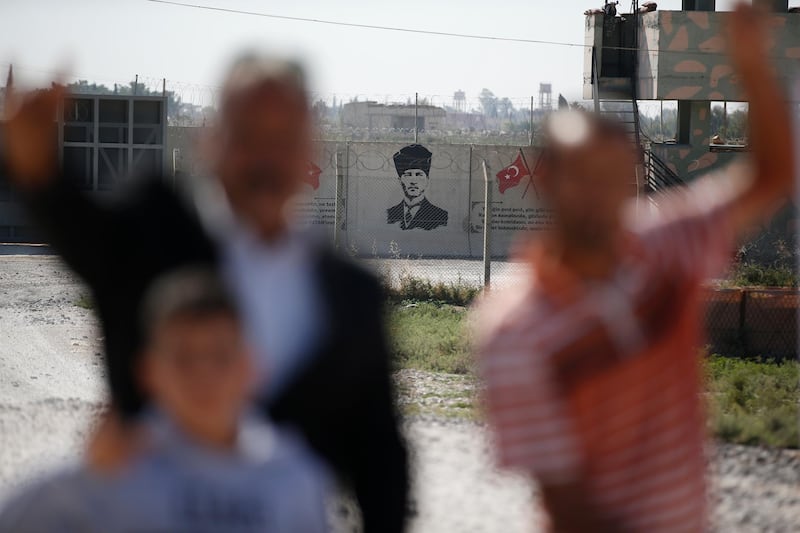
591	364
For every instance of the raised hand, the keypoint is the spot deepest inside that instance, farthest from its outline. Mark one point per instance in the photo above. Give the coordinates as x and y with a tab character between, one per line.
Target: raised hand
30	144
747	40
771	138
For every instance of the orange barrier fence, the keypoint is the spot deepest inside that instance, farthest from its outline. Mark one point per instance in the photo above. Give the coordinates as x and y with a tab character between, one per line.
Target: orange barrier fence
752	322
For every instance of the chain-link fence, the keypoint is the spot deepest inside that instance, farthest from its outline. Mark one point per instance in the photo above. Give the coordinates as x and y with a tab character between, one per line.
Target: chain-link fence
752	322
414	210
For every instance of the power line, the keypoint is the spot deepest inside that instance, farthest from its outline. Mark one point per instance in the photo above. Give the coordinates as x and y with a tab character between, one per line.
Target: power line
432	32
369	26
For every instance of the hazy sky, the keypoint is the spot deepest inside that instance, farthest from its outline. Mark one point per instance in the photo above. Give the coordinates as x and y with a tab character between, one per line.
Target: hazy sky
112	40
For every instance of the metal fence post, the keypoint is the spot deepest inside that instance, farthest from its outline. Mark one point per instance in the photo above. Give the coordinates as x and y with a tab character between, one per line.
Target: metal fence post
743	321
595	81
487	225
346	195
530	125
416	118
337	211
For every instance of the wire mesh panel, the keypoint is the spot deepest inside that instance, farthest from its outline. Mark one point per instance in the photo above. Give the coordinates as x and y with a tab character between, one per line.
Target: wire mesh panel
516	204
770	318
752	322
407	200
322	202
724	321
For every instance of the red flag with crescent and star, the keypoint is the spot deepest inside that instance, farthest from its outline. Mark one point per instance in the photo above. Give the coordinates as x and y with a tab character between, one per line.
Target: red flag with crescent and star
512	175
312	175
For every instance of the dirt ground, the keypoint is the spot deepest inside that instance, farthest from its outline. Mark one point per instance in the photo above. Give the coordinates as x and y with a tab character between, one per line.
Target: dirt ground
52	387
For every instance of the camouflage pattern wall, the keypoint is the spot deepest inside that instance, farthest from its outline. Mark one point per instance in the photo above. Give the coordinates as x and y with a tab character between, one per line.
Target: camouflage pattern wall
682	55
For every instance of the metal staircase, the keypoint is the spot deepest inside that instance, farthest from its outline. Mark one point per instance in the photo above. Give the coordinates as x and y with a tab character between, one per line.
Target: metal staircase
625	112
652	174
659	176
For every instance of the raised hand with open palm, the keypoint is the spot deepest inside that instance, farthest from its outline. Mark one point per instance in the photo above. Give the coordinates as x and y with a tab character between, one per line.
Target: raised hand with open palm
30	144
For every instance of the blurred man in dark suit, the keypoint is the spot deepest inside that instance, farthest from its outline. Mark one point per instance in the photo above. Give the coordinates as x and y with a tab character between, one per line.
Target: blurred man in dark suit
314	318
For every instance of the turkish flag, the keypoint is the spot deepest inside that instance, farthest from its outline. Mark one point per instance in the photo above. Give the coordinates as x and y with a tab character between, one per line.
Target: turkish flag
512	175
312	175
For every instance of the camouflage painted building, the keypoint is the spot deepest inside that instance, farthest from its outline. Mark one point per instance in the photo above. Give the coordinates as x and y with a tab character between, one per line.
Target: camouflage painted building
679	56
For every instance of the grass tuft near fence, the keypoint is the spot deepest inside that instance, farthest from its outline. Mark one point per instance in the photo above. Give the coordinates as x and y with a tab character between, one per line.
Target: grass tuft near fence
414	289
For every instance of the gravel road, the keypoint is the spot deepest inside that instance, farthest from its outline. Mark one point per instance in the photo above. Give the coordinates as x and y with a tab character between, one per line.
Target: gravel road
51	388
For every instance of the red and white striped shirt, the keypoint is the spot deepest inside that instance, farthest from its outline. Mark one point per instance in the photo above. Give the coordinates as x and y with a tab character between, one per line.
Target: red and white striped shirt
601	380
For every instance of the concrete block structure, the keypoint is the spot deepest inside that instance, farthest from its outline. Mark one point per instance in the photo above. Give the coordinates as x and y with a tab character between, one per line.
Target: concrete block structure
372	115
104	140
680	56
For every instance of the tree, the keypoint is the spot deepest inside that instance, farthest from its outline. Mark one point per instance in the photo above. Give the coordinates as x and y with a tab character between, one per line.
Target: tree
505	107
319	111
733	128
488	103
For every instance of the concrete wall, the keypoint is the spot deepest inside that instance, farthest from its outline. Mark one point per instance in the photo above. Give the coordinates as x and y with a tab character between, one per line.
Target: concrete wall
370	188
683	55
373	115
692	156
690	162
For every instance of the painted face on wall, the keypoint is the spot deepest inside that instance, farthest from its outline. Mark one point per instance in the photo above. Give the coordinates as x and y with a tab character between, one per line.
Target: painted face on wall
414	182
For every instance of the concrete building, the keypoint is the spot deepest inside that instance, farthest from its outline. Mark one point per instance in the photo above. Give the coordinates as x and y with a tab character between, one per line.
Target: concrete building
372	115
103	140
678	56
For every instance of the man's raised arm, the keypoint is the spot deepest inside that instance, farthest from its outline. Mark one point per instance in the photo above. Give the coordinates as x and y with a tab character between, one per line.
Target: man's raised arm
78	228
770	121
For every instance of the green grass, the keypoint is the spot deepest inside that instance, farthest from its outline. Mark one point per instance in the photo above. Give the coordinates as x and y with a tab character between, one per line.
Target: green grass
430	336
751	402
754	402
412	289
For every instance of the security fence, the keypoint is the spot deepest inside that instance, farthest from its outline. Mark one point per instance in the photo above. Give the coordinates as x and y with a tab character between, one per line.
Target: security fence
419	210
752	322
414	209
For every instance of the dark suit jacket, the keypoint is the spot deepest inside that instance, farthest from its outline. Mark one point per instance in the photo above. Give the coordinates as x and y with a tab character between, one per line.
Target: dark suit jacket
428	216
342	401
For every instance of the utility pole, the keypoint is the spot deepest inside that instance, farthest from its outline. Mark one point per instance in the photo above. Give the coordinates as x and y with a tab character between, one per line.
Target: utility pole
337	213
531	122
487	226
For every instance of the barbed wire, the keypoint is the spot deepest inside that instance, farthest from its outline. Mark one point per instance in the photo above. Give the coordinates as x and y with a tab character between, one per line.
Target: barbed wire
455	118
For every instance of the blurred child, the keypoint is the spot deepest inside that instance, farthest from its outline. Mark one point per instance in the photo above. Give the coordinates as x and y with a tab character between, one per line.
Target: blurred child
205	463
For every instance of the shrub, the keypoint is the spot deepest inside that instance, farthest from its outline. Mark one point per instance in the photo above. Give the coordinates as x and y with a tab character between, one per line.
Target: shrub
413	289
755	275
